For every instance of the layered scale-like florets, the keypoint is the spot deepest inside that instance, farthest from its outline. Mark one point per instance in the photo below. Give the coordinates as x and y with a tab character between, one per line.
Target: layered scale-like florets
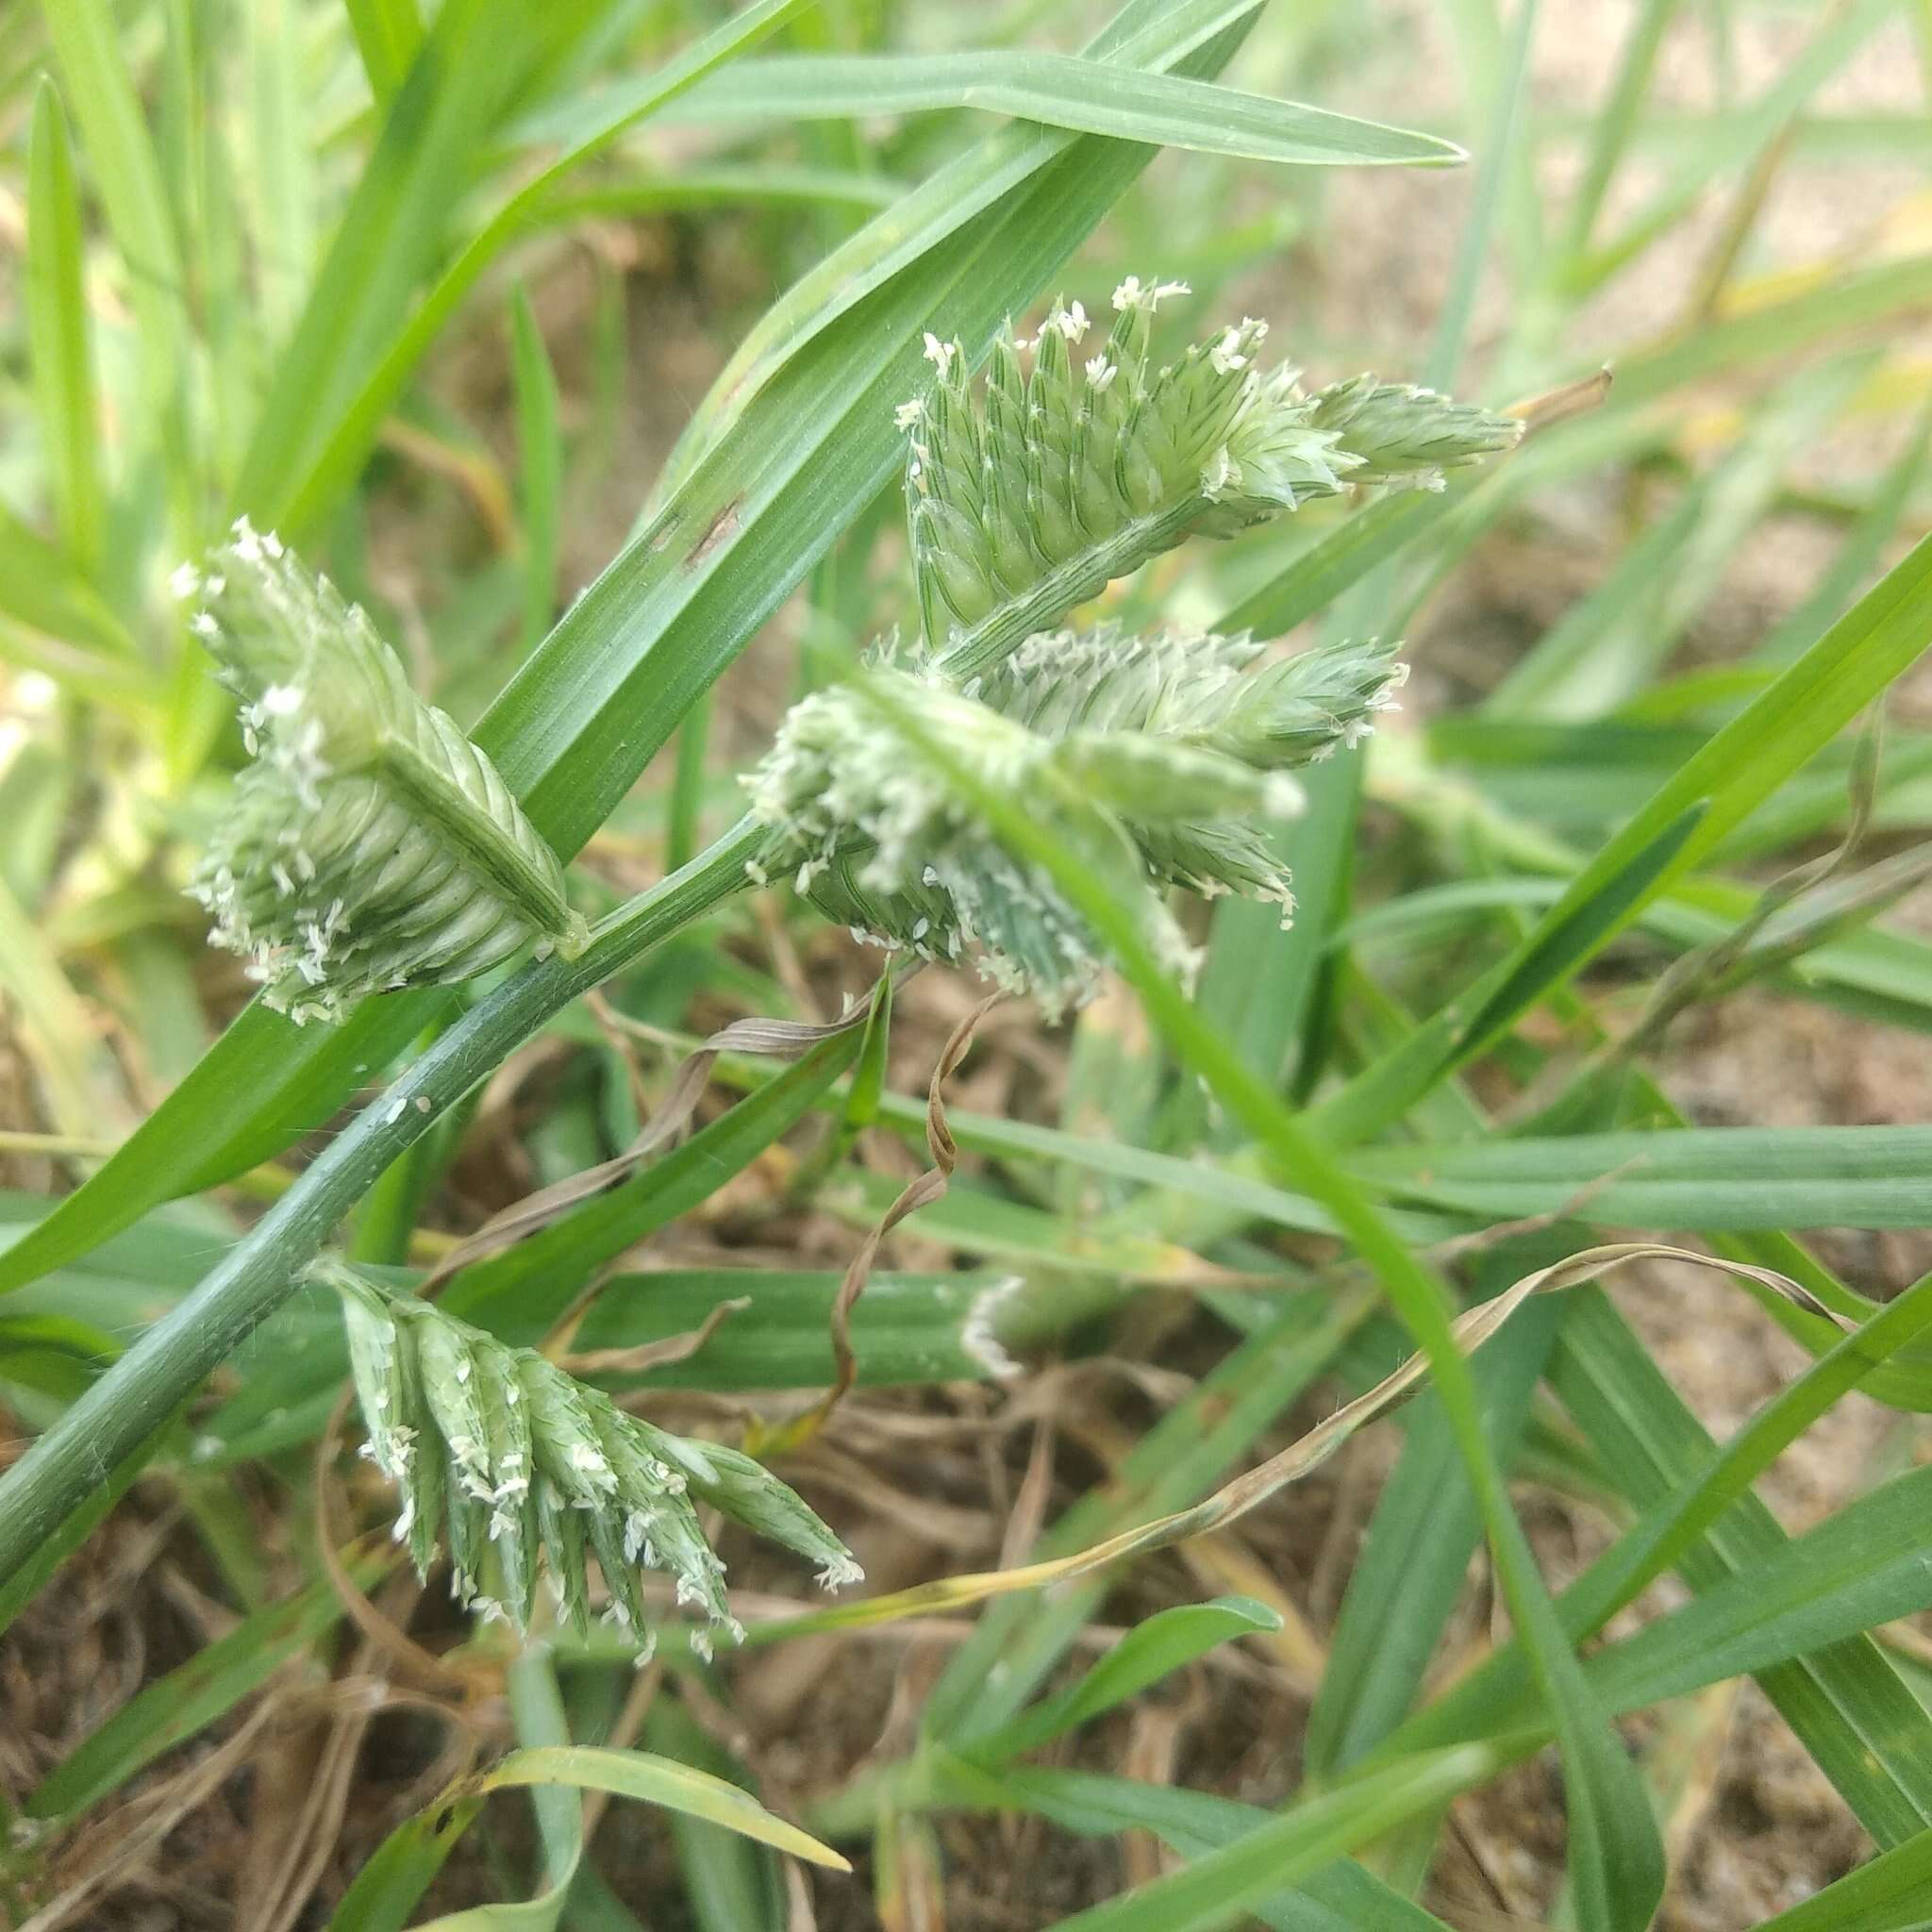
881	842
1160	759
1026	500
521	1469
1078	470
370	845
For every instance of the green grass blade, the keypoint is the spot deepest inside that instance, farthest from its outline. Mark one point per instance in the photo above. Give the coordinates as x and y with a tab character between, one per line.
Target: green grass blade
539	449
654	1780
1571	934
1541	678
1414	1560
732	1882
462	81
623	191
1706	798
388	32
57	329
1732	143
1153	1649
384	1893
905	1328
1846	1704
1220	1887
224	1118
44	589
1612	644
1839	303
1502	138
1857	557
1889	1894
279	186
1860	1568
1673	1526
300	487
1693	1177
1610	131
54	1028
1391	1085
1338	558
1260	982
1061	91
128	177
20	1589
1343	1897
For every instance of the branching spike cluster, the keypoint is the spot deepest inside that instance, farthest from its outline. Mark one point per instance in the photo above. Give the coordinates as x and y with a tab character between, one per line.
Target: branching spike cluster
526	1471
882	842
370	845
1171	752
1076	472
1159	760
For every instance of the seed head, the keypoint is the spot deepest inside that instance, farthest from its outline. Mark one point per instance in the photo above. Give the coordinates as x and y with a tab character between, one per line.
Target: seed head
1029	500
1171	751
519	1468
369	845
1399	433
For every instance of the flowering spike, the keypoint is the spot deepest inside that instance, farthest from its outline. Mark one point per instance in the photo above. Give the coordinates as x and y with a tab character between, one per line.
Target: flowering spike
1202	688
370	845
886	844
521	1466
1115	460
1398	431
1173	750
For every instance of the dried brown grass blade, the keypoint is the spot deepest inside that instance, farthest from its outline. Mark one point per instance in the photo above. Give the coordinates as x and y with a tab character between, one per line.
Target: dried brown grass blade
1558	405
128	1835
919	1192
1230	1503
768	1039
652	1355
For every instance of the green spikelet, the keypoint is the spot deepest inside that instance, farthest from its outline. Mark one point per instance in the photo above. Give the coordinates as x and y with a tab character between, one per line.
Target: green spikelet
1030	502
886	846
1177	747
521	1469
1201	687
1189	742
370	845
1399	432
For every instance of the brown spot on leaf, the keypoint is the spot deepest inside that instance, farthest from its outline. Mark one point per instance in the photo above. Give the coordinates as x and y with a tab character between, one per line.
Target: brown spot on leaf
723	525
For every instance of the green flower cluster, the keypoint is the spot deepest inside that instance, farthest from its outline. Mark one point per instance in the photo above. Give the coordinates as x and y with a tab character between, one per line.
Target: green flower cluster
1066	476
368	845
1159	758
524	1470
